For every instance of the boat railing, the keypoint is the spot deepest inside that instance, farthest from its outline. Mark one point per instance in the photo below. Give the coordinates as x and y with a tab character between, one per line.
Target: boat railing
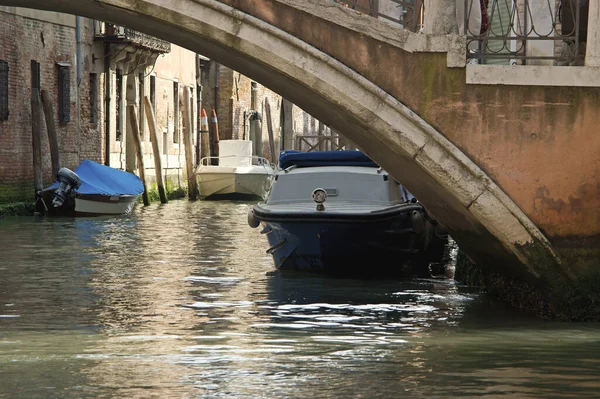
255	160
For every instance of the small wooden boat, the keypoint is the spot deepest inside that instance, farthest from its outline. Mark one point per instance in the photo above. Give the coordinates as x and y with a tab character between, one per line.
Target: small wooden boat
92	189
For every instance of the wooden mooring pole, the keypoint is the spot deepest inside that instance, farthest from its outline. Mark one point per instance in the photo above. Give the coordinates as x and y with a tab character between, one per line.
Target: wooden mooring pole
214	142
151	118
204	136
36	138
187	141
274	157
135	129
320	136
51	128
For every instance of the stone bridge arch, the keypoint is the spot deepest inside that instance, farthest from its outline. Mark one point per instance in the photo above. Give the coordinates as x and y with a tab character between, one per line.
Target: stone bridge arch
485	222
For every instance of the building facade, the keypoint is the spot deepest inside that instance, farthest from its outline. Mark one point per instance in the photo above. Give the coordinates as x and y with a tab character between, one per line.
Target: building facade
95	74
238	101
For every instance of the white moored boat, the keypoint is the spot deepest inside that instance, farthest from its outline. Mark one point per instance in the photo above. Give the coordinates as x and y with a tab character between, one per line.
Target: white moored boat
237	173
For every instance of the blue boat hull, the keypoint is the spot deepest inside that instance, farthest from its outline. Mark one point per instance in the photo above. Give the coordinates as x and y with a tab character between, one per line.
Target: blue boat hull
399	245
361	221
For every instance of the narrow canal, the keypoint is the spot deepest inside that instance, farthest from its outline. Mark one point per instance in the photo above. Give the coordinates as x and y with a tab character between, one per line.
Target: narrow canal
180	301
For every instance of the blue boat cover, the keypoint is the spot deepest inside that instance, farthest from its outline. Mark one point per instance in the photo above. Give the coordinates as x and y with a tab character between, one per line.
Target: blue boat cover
324	158
100	179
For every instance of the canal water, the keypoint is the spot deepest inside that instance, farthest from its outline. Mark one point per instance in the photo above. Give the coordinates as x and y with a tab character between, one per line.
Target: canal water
180	301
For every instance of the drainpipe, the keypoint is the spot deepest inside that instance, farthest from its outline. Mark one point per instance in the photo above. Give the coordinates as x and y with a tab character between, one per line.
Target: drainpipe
107	80
78	40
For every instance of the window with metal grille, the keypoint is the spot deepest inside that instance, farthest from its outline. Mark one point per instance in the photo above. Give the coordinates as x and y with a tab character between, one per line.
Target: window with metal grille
35	75
3	91
500	16
64	94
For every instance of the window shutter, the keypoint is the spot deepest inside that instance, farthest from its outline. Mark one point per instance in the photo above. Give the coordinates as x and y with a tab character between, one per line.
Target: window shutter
500	14
3	90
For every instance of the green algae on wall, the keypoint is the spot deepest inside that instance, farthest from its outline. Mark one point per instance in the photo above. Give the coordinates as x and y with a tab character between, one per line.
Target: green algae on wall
466	271
427	87
171	190
437	82
10	193
566	299
17	209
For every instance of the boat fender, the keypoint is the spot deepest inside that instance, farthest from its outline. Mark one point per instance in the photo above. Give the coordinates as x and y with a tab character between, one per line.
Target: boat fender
68	181
252	220
418	223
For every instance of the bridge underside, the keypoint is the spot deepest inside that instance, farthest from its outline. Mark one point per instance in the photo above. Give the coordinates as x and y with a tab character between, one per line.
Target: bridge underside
495	178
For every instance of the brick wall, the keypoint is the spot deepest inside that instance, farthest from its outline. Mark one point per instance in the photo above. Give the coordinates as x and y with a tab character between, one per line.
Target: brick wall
21	41
234	98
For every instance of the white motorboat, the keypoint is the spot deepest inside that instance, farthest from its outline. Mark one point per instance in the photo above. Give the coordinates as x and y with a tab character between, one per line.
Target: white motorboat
338	212
234	173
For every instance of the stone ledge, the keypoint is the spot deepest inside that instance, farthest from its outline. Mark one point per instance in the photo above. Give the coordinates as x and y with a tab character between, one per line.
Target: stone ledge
533	75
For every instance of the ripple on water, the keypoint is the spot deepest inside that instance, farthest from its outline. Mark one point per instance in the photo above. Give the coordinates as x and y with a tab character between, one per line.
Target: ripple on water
180	300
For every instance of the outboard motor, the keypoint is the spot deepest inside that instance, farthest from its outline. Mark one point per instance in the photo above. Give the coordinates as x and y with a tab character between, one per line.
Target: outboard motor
68	181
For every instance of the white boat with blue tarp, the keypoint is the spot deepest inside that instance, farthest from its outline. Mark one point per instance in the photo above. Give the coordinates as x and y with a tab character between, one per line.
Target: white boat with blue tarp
92	189
338	212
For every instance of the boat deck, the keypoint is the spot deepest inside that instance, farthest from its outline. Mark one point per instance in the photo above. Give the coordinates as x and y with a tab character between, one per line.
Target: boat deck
345	207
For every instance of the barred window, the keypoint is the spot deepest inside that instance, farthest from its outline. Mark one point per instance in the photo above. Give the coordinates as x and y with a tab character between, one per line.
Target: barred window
35	75
3	91
64	94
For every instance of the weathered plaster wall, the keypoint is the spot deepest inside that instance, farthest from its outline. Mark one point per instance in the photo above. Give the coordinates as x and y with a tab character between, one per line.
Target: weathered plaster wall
540	144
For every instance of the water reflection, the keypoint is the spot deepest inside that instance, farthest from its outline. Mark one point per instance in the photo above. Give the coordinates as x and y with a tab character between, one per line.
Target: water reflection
180	301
